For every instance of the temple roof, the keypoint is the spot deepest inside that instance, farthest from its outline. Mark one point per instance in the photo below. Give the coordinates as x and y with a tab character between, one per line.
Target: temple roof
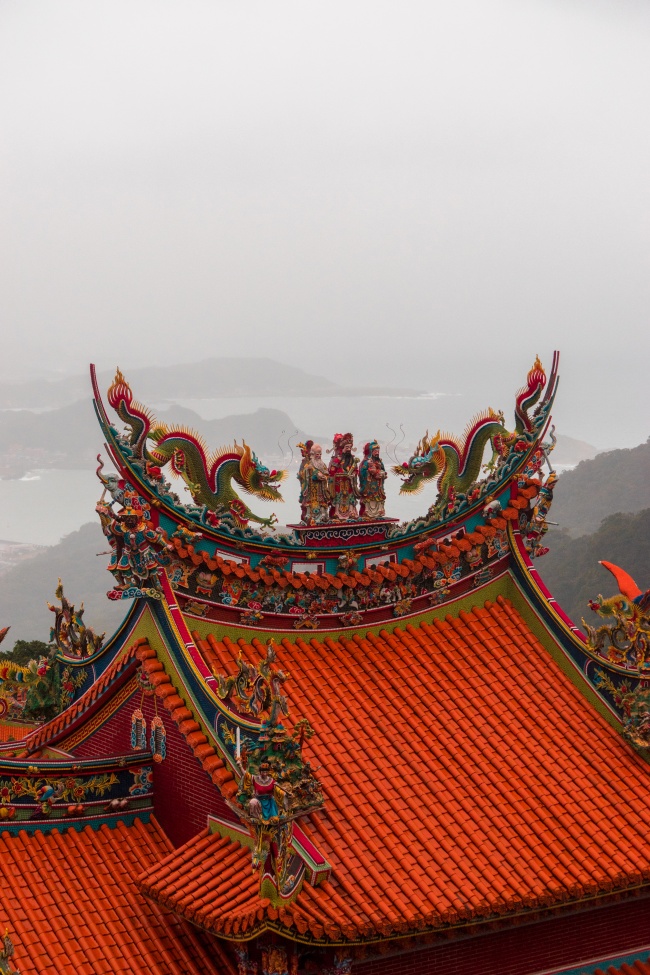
120	668
448	798
56	926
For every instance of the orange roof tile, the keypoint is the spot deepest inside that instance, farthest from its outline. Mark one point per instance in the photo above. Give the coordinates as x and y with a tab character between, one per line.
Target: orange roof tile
71	904
205	753
637	967
437	552
15	730
465	777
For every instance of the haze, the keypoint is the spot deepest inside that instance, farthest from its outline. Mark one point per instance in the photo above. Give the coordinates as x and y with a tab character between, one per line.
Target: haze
422	194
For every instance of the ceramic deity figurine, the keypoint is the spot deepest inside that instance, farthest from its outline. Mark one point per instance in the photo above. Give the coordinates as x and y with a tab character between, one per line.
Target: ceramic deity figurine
314	483
305	449
138	549
266	797
372	475
344	477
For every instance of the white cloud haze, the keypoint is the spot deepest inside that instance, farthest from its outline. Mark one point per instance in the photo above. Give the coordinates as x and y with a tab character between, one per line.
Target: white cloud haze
420	193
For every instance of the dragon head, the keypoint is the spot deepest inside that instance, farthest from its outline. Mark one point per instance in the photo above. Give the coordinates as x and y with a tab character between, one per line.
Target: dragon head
425	464
255	478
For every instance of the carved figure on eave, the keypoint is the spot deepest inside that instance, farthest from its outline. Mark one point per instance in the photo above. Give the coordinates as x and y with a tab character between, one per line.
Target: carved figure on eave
138	549
344	478
539	524
636	725
261	796
372	475
456	464
71	635
315	496
347	561
255	689
626	640
276	786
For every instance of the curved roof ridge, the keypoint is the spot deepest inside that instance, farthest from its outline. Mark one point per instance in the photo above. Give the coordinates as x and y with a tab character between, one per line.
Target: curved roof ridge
90	699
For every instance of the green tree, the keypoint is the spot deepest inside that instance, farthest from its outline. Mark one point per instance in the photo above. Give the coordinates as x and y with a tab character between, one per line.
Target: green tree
44	696
26	650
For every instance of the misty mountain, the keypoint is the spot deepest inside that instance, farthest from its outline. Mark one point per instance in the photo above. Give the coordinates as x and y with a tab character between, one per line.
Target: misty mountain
210	378
613	481
69	438
568	450
26	589
261	429
571	570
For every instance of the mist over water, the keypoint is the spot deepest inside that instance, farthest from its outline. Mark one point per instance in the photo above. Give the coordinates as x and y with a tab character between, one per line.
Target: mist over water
421	195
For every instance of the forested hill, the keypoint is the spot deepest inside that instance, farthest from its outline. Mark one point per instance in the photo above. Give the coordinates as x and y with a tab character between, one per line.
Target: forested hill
26	589
617	480
571	570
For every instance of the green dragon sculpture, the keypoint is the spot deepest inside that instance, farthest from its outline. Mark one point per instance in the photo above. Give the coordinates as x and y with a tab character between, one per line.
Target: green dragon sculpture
457	464
210	478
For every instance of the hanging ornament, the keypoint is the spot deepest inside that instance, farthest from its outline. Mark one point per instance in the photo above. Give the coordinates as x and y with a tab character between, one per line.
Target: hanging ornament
138	730
158	739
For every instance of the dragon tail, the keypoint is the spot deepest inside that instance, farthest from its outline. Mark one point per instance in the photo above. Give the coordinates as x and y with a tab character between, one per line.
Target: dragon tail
528	396
136	416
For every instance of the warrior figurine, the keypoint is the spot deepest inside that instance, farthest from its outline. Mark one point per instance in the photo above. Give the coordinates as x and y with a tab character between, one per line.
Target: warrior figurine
138	549
343	471
314	481
372	475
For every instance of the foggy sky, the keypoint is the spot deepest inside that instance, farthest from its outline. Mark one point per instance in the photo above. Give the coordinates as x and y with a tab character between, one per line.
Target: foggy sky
420	193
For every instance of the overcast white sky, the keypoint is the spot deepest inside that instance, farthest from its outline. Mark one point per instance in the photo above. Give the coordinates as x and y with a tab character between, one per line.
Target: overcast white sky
423	193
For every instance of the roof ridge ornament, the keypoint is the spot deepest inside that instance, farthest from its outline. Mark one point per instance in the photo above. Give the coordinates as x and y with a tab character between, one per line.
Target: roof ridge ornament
70	634
212	478
624	642
456	463
276	786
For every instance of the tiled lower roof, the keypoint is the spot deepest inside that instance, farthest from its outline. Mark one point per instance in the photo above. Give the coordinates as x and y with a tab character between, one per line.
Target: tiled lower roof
227	895
203	751
71	905
465	778
14	730
637	967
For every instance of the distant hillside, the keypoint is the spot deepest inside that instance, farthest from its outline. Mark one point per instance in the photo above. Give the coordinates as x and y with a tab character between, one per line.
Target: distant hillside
70	438
26	589
571	570
67	438
571	451
617	480
261	430
205	379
